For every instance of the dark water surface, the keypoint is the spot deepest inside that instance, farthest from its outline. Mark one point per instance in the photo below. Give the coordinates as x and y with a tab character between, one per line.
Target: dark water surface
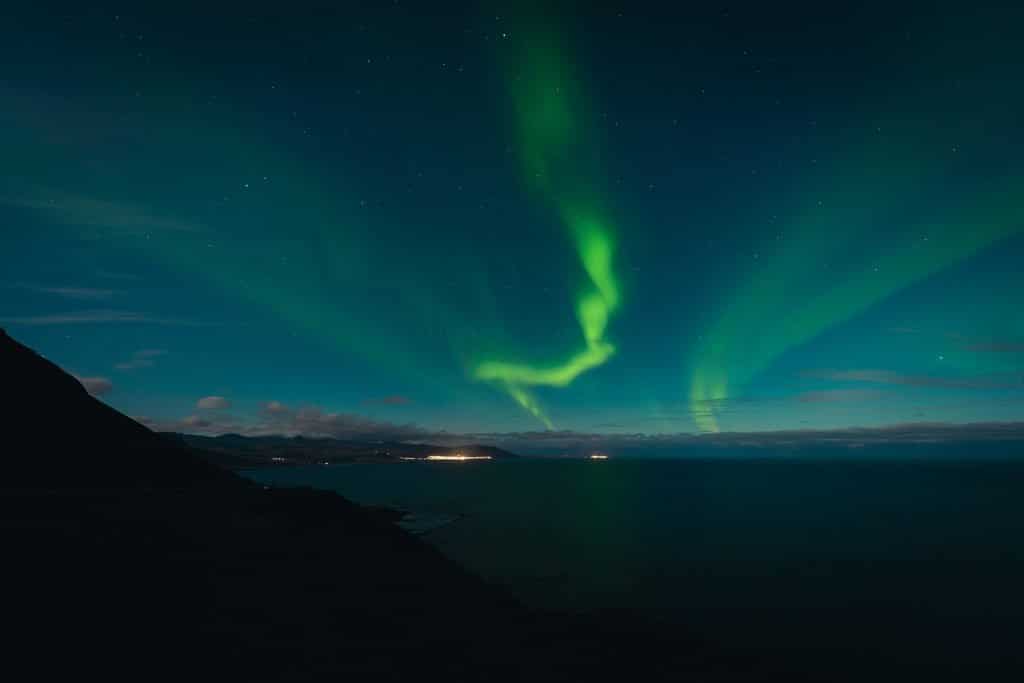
855	558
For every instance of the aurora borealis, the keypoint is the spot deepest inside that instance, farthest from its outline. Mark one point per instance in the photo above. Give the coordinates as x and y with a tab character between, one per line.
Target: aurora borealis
521	216
555	143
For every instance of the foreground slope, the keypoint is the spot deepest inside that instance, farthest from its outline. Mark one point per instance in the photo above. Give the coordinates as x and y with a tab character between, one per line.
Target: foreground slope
127	555
70	439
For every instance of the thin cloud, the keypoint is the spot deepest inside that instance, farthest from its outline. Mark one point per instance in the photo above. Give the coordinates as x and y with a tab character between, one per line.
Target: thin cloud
275	418
115	275
144	358
275	408
134	364
887	377
117	216
98	316
393	400
977	345
96	386
996	347
838	395
78	293
208	425
315	422
568	442
213	403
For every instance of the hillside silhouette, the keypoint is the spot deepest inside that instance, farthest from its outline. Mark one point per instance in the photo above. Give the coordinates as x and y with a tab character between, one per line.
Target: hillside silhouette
128	555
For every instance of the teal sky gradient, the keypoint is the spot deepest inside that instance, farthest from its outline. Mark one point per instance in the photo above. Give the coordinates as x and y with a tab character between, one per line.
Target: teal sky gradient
487	219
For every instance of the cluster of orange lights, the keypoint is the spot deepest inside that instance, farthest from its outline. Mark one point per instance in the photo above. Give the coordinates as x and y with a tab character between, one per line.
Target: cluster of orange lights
459	457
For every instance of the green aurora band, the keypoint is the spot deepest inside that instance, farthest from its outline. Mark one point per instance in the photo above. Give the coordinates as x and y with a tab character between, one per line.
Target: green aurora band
555	147
783	305
309	277
872	226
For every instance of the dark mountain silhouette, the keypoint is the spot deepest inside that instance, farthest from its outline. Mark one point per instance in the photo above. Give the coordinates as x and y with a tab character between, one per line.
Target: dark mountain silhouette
127	555
75	440
239	452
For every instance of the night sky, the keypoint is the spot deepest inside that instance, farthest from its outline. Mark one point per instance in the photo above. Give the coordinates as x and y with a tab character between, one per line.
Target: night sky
489	217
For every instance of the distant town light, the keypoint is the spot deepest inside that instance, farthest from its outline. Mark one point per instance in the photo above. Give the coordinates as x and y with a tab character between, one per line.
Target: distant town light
458	457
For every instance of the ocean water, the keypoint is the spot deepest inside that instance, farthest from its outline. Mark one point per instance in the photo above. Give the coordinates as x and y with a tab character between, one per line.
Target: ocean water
849	558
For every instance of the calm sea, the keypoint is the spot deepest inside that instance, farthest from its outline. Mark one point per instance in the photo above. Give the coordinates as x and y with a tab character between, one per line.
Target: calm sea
844	557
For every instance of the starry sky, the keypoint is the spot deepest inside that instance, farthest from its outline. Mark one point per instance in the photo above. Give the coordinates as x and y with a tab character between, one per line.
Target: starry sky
607	218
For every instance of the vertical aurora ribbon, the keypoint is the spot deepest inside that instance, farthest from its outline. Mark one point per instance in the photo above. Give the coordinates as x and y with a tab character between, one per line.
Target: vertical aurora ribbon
557	153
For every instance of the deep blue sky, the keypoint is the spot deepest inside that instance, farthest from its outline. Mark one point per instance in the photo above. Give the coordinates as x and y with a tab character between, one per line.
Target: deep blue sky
813	212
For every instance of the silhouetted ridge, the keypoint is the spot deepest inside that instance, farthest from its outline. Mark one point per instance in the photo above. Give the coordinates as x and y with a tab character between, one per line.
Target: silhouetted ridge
70	438
126	556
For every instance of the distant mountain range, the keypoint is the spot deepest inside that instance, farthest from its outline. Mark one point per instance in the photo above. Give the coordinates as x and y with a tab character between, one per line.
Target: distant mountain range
238	452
